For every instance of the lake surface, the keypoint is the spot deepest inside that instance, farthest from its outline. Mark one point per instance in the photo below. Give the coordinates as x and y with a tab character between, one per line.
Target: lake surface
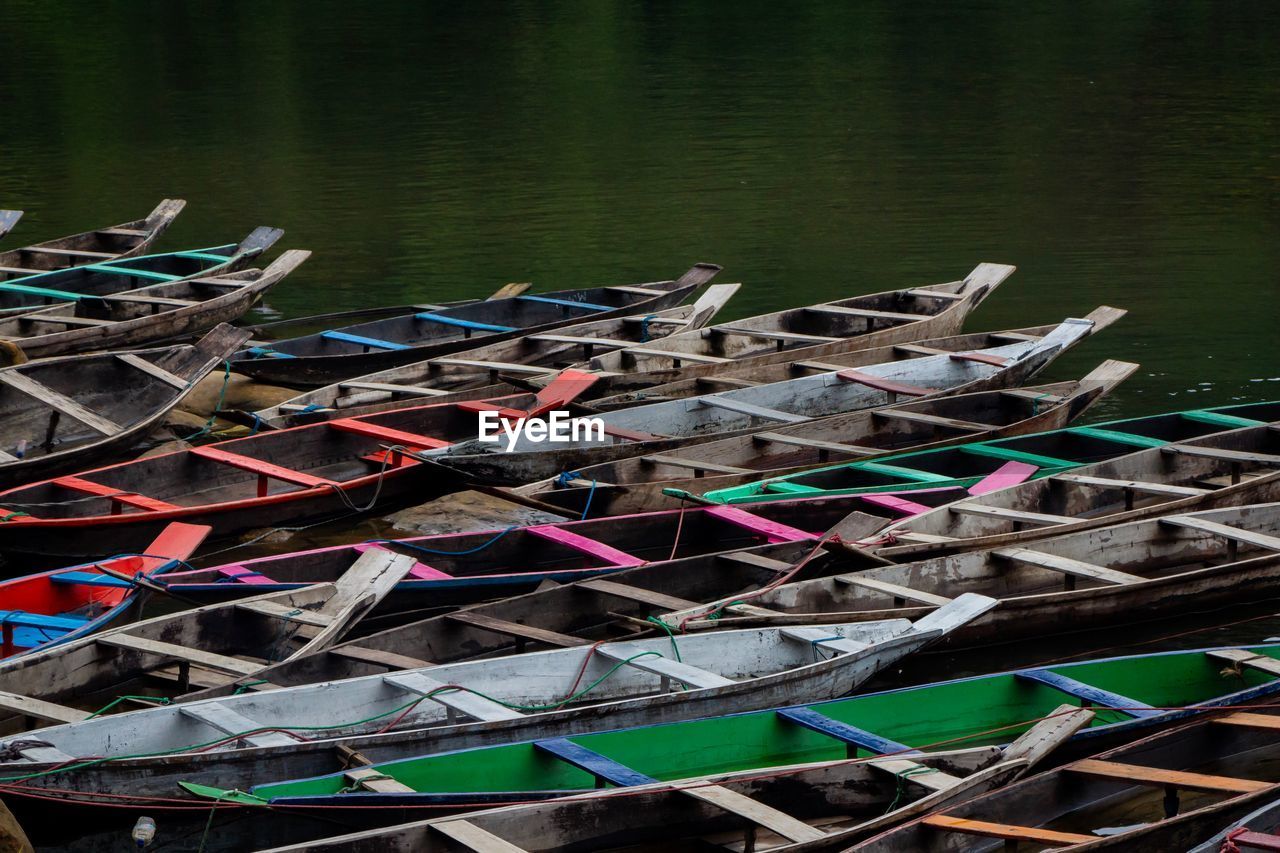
1116	153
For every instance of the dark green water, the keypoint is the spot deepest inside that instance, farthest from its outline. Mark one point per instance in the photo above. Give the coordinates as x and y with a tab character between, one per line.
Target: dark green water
1118	152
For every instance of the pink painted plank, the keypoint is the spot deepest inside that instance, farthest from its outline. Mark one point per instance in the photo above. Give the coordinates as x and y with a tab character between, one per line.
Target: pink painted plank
243	575
901	506
609	554
1008	474
420	570
772	530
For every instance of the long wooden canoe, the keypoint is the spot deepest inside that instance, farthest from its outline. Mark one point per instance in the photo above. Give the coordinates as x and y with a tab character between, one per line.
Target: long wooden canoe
96	284
138	317
1168	791
640	483
658	428
62	605
362	348
89	247
539	695
463	568
1045	454
808	807
330	469
170	655
1127	694
537	354
1118	575
59	414
813	331
1232	468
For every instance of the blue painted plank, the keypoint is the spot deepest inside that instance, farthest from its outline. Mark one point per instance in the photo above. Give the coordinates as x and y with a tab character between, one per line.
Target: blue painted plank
363	341
269	352
589	306
462	324
821	723
40	620
593	762
130	271
1089	693
88	579
44	291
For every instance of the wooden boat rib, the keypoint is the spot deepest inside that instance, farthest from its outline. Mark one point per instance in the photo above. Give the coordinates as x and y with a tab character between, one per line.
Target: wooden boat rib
747	372
860	322
514	697
144	315
63	605
968	712
809	807
1139	485
60	413
1156	567
480	367
639	483
462	568
89	247
99	284
1166	792
1041	455
169	655
661	427
362	348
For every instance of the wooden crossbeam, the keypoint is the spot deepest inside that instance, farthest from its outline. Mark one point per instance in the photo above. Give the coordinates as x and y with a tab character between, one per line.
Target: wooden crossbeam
410	390
467	835
768	334
152	370
378	657
750	409
1220	453
472	705
224	719
1132	485
375	780
39	709
635	593
757	561
176	652
814	444
914	771
62	403
868	314
604	343
1017	515
1246	659
693	464
936	294
494	366
260	467
1011	832
1066	565
920	349
667	668
1249	720
133	499
778	822
1226	531
678	356
898	591
1170	778
514	629
290	614
824	638
931	420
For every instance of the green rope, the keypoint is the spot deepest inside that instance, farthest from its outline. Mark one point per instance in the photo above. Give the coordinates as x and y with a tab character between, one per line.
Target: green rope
159	700
664	626
12	515
248	685
902	783
222	396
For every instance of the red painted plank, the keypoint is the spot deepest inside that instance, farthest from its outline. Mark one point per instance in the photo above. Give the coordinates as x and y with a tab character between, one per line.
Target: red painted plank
608	553
885	384
76	484
774	531
387	434
257	466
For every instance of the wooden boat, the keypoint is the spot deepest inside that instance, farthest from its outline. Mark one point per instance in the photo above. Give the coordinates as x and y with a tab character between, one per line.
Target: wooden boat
463	568
89	247
639	483
1231	468
809	807
62	605
330	469
1165	792
1041	455
1159	689
354	350
658	428
155	312
8	219
813	331
541	694
169	655
58	414
536	354
99	283
1258	830
1118	575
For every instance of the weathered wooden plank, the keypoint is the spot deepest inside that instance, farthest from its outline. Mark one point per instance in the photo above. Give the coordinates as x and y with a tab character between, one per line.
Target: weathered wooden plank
750	409
635	593
375	780
824	638
1161	777
778	822
896	590
1034	396
693	464
814	444
1008	831
410	390
1134	485
931	420
152	370
1066	565
747	558
1249	720
889	386
39	709
914	771
1226	531
867	313
495	366
696	358
280	611
936	294
472	705
378	657
581	341
920	349
1249	660
690	675
970	508
171	651
55	400
515	629
260	467
1048	734
774	335
224	719
1221	453
471	837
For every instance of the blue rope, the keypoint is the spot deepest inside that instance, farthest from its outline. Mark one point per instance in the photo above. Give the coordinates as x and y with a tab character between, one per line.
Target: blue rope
426	550
586	510
311	407
257	423
644	327
562	481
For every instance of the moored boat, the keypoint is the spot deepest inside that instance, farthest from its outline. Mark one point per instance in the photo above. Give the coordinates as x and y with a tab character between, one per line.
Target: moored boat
58	414
361	348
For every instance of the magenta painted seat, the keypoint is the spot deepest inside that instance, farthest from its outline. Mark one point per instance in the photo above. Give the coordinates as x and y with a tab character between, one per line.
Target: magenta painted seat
903	507
772	530
243	575
1008	474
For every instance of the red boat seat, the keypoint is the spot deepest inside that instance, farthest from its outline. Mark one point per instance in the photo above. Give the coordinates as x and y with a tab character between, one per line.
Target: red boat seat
887	385
387	434
133	499
262	469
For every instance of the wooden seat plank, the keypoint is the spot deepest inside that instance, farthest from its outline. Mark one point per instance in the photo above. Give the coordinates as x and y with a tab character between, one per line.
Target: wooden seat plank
600	766
936	294
69	253
1066	565
1249	720
970	508
869	314
494	366
581	341
592	547
1220	453
1226	531
639	291
693	464
980	358
750	409
43	393
515	629
123	232
1247	659
893	589
813	444
471	837
220	717
691	676
887	385
133	499
1165	778
920	349
258	466
914	771
39	709
471	704
144	299
411	390
824	638
677	356
152	370
1007	831
773	335
374	780
378	657
280	611
1033	396
778	822
65	320
1134	485
931	420
757	561
173	651
635	593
